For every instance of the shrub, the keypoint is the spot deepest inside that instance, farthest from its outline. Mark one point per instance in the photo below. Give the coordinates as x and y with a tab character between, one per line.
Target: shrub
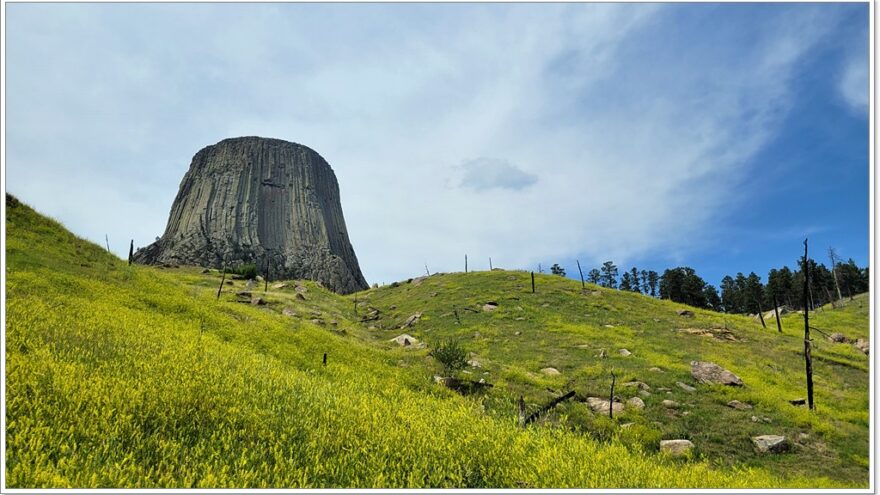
248	271
451	355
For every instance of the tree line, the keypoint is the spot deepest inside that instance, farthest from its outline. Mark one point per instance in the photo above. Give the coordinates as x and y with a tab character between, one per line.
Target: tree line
745	294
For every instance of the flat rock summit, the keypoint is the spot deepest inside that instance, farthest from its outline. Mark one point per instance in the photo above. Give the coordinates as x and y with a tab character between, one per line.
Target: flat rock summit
262	201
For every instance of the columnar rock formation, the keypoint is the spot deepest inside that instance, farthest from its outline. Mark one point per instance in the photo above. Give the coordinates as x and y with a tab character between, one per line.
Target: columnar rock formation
262	201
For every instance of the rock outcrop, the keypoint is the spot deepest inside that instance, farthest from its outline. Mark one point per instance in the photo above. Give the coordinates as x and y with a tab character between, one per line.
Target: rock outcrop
262	201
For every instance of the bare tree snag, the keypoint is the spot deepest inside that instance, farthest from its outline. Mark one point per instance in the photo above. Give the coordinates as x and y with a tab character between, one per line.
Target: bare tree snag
583	285
131	252
222	279
537	414
807	346
522	411
426	270
533	282
834	260
611	397
107	239
490	263
465	263
776	310
325	359
760	313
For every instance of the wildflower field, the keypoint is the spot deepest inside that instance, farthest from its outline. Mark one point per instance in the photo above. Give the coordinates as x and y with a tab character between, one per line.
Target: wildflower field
132	376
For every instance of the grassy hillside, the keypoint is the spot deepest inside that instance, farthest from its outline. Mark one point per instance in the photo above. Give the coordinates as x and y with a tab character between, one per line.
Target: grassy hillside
121	376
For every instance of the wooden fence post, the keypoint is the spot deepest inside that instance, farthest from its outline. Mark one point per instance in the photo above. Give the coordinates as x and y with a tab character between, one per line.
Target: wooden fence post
325	359
131	252
533	282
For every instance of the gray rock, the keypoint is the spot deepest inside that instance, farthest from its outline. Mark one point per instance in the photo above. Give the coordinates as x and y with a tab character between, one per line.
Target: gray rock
601	405
635	403
742	406
490	306
249	199
405	340
775	444
288	312
705	372
863	345
685	313
637	384
550	371
670	404
624	352
655	370
838	337
686	387
412	320
676	447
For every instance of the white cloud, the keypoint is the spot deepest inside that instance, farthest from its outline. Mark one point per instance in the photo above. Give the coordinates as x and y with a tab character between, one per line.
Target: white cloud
854	84
637	136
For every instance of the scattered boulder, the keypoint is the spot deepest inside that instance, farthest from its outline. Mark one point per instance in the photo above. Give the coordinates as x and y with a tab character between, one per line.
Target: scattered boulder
676	447
259	301
243	293
635	403
765	419
473	363
301	289
418	281
279	286
608	325
230	282
405	340
863	345
288	312
655	370
706	372
517	333
775	444
318	321
686	387
686	313
412	320
838	337
798	402
670	404
644	393
601	405
300	297
550	371
490	306
624	352
741	406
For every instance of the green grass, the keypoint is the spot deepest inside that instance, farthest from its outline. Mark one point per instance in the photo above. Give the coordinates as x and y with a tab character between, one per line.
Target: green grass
123	376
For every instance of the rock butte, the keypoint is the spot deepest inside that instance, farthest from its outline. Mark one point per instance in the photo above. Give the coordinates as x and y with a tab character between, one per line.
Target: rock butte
262	201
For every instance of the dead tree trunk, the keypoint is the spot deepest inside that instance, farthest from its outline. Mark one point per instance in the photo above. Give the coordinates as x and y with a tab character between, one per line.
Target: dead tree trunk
465	263
522	411
107	239
776	310
537	414
807	345
222	279
760	314
490	263
833	255
426	270
131	252
533	282
583	285
611	397
324	362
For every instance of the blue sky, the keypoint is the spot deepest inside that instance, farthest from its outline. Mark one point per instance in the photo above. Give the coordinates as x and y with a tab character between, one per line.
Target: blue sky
654	135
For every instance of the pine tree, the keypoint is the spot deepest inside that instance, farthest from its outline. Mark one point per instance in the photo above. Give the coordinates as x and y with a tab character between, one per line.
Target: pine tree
594	277
634	280
609	275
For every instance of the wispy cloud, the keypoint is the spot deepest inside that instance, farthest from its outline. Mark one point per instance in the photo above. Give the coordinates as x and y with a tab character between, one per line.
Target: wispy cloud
621	127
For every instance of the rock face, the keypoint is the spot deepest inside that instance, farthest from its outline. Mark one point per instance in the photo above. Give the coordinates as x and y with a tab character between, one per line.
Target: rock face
706	372
676	447
257	200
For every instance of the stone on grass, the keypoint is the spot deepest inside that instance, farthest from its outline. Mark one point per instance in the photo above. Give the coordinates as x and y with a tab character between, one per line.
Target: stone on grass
670	404
490	306
685	313
624	352
405	340
601	405
686	387
706	372
742	406
635	403
412	320
775	444
676	447
639	385
838	337
288	312
863	345
550	371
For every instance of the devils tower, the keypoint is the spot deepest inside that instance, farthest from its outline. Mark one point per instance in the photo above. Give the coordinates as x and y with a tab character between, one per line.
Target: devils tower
264	201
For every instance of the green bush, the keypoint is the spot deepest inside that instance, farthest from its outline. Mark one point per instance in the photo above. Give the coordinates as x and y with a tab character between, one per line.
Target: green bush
451	355
248	271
